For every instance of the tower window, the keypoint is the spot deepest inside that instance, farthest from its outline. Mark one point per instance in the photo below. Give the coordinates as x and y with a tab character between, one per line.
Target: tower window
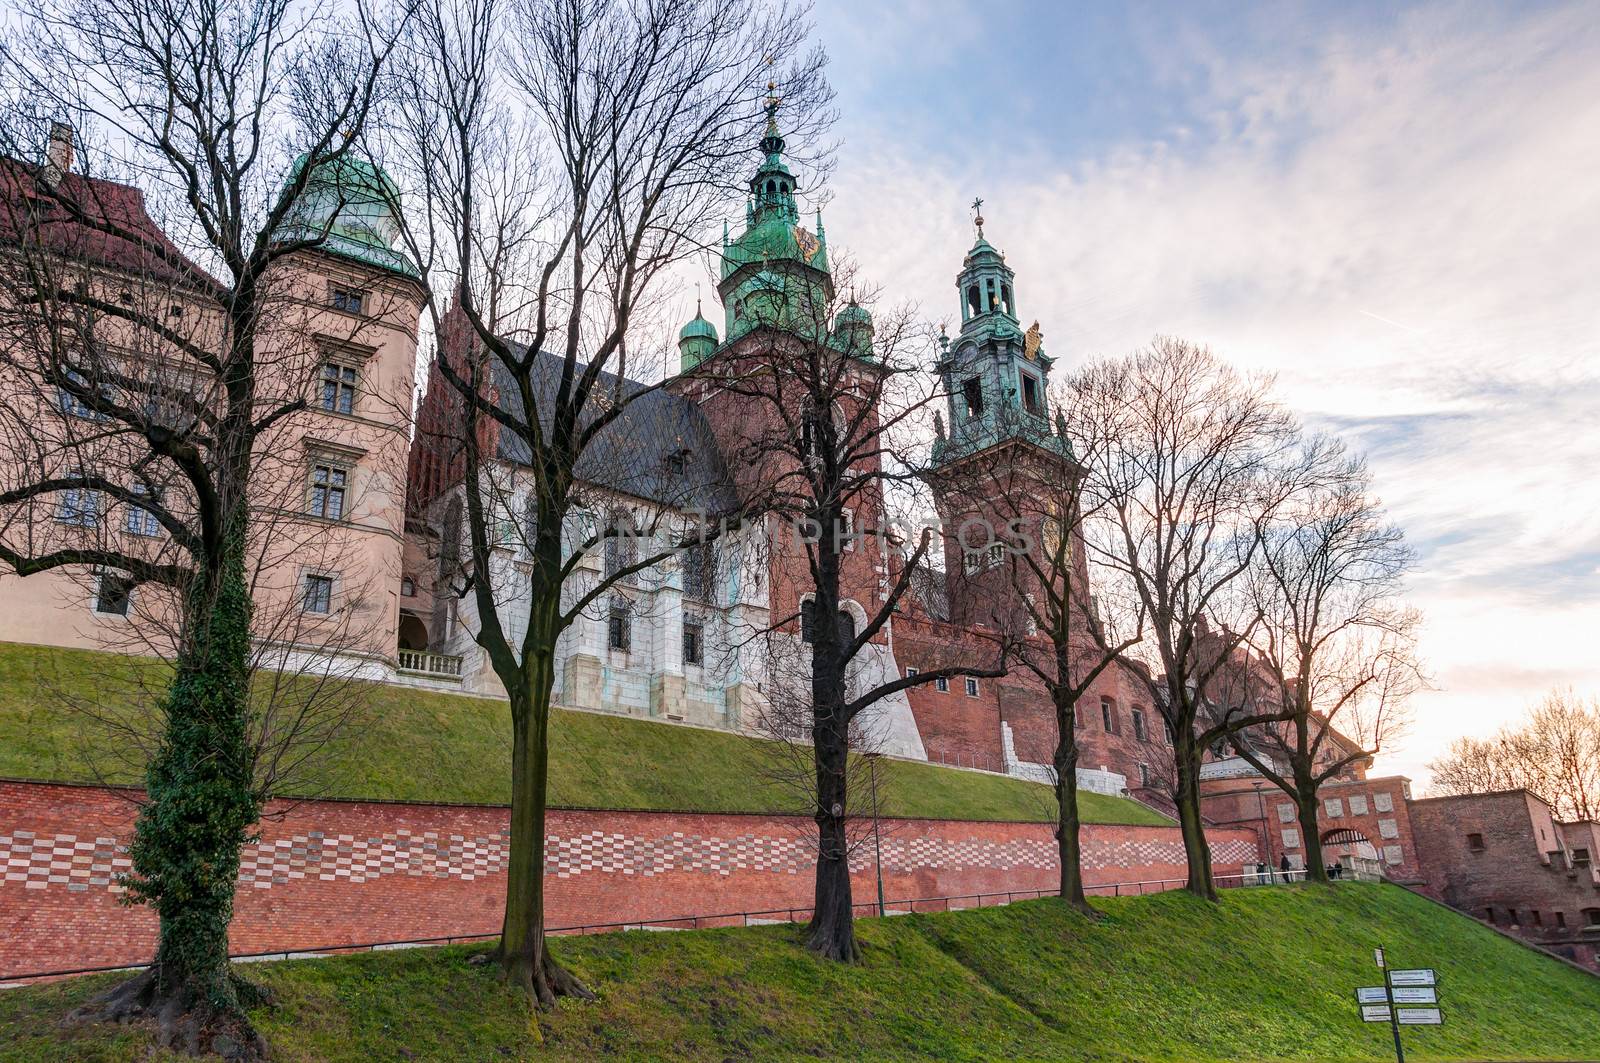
1030	394
974	300
619	624
1005	298
693	644
972	395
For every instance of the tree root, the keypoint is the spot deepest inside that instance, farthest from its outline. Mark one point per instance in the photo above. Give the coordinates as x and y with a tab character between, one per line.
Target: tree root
185	1018
544	980
832	943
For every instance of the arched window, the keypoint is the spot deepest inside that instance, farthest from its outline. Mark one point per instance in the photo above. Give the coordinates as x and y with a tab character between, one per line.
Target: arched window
846	623
974	300
772	186
1005	297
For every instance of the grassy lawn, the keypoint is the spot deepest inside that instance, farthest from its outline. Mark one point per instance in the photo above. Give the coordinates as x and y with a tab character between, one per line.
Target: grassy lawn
1268	974
422	746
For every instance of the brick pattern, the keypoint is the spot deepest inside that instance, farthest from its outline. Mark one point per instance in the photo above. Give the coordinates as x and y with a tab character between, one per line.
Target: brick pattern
326	873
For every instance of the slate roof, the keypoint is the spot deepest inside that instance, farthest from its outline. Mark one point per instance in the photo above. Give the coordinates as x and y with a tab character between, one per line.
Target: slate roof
633	454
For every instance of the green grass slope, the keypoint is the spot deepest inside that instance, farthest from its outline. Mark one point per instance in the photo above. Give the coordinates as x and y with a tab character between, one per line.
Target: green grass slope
1268	974
422	746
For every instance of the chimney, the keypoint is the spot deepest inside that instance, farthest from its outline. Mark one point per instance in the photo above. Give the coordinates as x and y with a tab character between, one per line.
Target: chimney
58	158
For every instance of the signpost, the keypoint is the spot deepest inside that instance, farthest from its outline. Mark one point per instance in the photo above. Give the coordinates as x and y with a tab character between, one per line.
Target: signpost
1409	987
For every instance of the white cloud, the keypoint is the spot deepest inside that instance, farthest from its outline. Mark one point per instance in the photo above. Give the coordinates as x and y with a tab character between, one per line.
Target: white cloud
1405	229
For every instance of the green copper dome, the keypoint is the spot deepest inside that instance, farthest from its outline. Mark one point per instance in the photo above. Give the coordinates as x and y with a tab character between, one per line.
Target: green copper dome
696	340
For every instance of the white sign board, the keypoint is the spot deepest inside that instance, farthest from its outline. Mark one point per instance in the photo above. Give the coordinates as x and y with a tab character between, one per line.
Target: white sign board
1374	1013
1372	994
1377	957
1418	1016
1416	995
1420	976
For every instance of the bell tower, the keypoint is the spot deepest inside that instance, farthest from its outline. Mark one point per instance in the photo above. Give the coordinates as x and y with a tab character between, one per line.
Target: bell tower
1001	459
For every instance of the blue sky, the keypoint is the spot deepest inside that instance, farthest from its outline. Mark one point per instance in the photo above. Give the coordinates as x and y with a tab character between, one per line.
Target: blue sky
1396	209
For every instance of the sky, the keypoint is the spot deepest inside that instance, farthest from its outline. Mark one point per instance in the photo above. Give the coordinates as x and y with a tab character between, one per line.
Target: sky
1395	209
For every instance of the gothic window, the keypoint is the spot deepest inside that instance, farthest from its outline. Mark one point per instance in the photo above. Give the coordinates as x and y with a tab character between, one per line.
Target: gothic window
693	641
619	624
972	395
620	549
699	571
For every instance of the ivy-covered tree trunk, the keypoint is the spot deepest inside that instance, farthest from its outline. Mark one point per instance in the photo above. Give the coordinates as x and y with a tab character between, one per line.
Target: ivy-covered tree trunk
524	958
1187	797
200	807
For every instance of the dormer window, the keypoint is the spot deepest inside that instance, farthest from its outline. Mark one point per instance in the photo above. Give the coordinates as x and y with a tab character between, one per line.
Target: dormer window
1030	394
972	396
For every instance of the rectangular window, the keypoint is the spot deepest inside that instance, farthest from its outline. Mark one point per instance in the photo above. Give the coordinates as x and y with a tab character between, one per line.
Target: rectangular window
972	396
1591	917
620	551
349	300
1138	723
328	483
141	521
997	555
619	624
693	646
79	507
317	596
338	387
1538	917
972	687
1580	858
114	594
972	561
75	405
1030	394
1561	920
1144	775
1108	716
942	685
1475	843
912	673
408	587
699	568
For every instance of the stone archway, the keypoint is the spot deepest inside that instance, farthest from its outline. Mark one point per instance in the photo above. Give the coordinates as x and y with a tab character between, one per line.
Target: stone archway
1351	849
413	634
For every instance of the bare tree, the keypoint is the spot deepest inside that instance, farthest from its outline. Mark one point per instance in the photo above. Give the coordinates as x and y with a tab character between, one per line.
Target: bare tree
1041	609
1554	752
1183	475
569	156
1334	646
150	352
829	401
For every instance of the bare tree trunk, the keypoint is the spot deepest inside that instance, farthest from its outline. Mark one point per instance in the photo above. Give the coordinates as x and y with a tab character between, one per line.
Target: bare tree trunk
1187	797
832	933
1305	801
524	960
1069	844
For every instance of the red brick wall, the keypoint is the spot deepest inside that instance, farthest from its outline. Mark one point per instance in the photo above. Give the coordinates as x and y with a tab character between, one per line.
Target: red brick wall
1513	873
327	873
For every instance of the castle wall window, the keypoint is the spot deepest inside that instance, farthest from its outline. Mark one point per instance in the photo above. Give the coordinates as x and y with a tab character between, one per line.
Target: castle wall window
317	594
693	642
699	571
972	396
349	300
1591	917
912	673
972	687
1580	858
619	625
1030	394
1475	843
1561	920
114	594
808	623
1108	716
328	483
1144	774
141	521
79	507
338	387
408	587
1138	723
621	550
73	405
942	685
